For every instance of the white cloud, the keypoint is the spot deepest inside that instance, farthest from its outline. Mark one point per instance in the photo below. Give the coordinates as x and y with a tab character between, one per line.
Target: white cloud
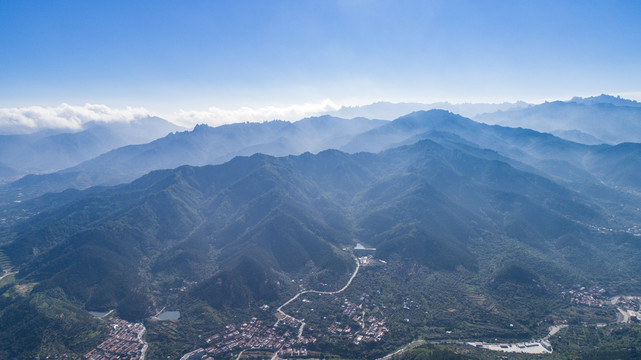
63	117
22	120
216	116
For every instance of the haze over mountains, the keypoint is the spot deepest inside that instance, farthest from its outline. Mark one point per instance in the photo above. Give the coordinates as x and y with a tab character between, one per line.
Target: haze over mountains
390	111
478	228
207	145
51	150
593	120
580	120
203	145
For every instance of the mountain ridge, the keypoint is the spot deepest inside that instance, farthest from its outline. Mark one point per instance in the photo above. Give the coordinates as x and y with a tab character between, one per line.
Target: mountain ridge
460	203
48	151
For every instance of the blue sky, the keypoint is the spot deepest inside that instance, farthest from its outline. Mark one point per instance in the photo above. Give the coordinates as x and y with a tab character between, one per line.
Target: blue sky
170	55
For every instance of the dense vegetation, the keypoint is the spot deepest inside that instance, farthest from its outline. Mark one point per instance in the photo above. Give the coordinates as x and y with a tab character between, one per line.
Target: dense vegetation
431	352
477	245
45	322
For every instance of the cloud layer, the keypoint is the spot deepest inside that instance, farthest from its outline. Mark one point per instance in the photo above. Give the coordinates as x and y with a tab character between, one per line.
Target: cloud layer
23	120
216	116
63	117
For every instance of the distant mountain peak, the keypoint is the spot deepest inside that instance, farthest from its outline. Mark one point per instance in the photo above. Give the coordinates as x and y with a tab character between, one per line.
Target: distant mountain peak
388	110
199	127
605	99
424	118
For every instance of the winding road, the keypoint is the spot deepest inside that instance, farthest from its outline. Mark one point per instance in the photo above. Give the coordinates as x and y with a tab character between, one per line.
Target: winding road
285	315
302	323
145	345
280	308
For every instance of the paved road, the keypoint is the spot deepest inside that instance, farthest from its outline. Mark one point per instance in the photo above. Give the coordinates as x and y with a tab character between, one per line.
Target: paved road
358	265
239	355
7	274
107	314
302	324
280	310
189	354
160	312
553	330
144	346
409	346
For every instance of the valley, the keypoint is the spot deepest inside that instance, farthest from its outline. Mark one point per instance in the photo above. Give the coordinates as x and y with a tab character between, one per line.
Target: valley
306	180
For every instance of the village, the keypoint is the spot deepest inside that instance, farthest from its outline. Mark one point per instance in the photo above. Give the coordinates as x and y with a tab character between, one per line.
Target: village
628	307
256	336
371	329
124	342
592	296
282	337
285	338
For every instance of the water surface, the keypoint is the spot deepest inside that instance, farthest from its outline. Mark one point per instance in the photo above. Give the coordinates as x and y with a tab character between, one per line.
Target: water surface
169	315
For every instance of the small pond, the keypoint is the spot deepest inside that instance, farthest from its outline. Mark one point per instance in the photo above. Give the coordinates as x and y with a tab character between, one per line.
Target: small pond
169	315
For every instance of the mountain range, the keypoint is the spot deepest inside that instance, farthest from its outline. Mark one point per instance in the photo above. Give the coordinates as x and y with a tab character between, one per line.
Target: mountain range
390	111
485	226
243	229
594	120
579	166
203	145
48	151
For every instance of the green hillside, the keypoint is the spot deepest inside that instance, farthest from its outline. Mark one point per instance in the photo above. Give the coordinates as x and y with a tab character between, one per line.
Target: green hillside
475	242
5	262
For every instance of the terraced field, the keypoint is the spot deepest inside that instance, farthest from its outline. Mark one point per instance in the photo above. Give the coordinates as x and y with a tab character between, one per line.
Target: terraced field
5	262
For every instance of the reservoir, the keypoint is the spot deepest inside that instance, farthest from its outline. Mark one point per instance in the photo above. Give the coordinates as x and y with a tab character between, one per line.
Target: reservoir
360	250
169	315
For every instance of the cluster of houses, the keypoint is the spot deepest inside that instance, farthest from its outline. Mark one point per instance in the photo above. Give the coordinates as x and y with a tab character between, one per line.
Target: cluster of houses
254	335
593	296
350	309
186	285
630	306
337	328
123	342
293	352
372	329
372	333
